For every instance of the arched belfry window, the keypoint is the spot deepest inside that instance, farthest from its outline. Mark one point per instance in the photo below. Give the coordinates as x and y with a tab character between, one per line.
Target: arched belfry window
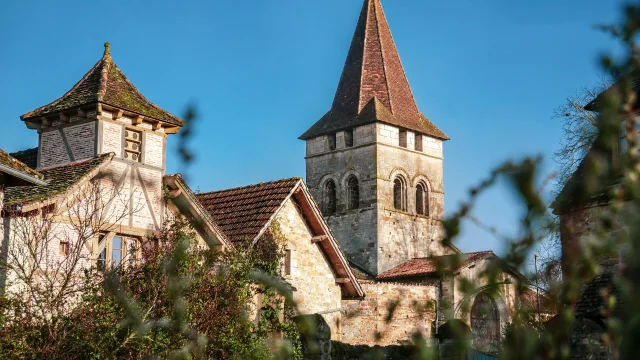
422	199
485	323
399	194
353	193
329	197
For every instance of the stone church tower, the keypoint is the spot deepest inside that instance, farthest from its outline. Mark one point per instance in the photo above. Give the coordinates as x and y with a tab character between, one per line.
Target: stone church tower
374	161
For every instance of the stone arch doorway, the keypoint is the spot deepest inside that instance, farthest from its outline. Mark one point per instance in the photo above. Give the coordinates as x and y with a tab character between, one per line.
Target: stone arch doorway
485	323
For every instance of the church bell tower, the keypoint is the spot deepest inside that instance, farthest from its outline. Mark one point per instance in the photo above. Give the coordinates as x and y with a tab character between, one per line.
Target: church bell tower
374	161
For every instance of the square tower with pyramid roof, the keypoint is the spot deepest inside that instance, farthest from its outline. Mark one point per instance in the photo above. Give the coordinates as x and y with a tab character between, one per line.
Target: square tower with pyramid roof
374	161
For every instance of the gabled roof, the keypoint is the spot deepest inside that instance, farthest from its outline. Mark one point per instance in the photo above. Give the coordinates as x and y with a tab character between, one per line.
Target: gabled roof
433	265
245	213
13	167
59	180
186	201
373	70
105	84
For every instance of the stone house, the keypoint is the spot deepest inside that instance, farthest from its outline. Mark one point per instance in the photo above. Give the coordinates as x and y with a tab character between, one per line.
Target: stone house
284	212
101	160
374	163
591	207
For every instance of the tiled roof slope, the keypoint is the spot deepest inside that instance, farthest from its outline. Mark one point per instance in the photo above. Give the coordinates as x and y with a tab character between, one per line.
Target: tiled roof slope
429	266
105	84
17	165
242	212
29	157
59	179
373	70
591	301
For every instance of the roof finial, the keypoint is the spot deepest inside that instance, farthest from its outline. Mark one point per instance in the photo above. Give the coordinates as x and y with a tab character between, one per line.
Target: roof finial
107	49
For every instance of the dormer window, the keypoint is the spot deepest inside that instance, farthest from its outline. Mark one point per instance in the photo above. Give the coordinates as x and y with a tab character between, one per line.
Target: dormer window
132	145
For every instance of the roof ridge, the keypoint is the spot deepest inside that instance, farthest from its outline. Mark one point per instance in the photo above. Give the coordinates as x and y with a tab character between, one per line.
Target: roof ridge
74	87
249	186
105	155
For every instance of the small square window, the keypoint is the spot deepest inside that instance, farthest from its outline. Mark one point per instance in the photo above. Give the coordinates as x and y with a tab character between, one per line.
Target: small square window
64	248
132	145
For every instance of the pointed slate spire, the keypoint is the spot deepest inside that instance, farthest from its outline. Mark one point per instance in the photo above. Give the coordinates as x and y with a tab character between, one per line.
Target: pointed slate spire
373	71
105	84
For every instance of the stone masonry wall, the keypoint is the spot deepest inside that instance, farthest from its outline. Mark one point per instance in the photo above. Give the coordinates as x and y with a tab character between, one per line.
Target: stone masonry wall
363	320
376	236
311	275
354	229
403	235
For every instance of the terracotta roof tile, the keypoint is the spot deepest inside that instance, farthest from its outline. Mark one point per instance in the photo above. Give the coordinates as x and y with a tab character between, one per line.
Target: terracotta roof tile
58	179
9	161
106	84
429	266
242	212
373	76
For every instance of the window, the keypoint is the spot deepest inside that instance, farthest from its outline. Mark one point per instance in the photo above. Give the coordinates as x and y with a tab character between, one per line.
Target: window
348	138
353	193
64	248
329	200
133	250
287	262
485	323
132	145
399	191
112	251
422	199
403	138
116	250
331	138
418	142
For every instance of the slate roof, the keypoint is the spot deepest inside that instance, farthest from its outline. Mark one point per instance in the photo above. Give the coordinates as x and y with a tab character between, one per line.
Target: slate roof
59	179
242	212
429	266
29	157
591	301
11	162
373	86
105	84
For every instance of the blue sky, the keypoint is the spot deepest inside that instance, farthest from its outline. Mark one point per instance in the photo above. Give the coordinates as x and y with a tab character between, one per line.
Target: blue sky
488	73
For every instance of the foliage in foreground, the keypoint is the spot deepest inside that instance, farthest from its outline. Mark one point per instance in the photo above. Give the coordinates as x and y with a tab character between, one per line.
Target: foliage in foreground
177	303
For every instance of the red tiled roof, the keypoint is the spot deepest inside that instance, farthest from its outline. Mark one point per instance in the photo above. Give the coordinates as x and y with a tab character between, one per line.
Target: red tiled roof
433	265
105	84
373	70
242	212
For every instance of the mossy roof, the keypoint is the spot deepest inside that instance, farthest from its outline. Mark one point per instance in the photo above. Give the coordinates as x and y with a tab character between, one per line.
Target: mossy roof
59	179
105	84
28	156
7	160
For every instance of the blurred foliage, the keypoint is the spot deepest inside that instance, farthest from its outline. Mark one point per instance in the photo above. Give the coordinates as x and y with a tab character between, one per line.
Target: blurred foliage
186	303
